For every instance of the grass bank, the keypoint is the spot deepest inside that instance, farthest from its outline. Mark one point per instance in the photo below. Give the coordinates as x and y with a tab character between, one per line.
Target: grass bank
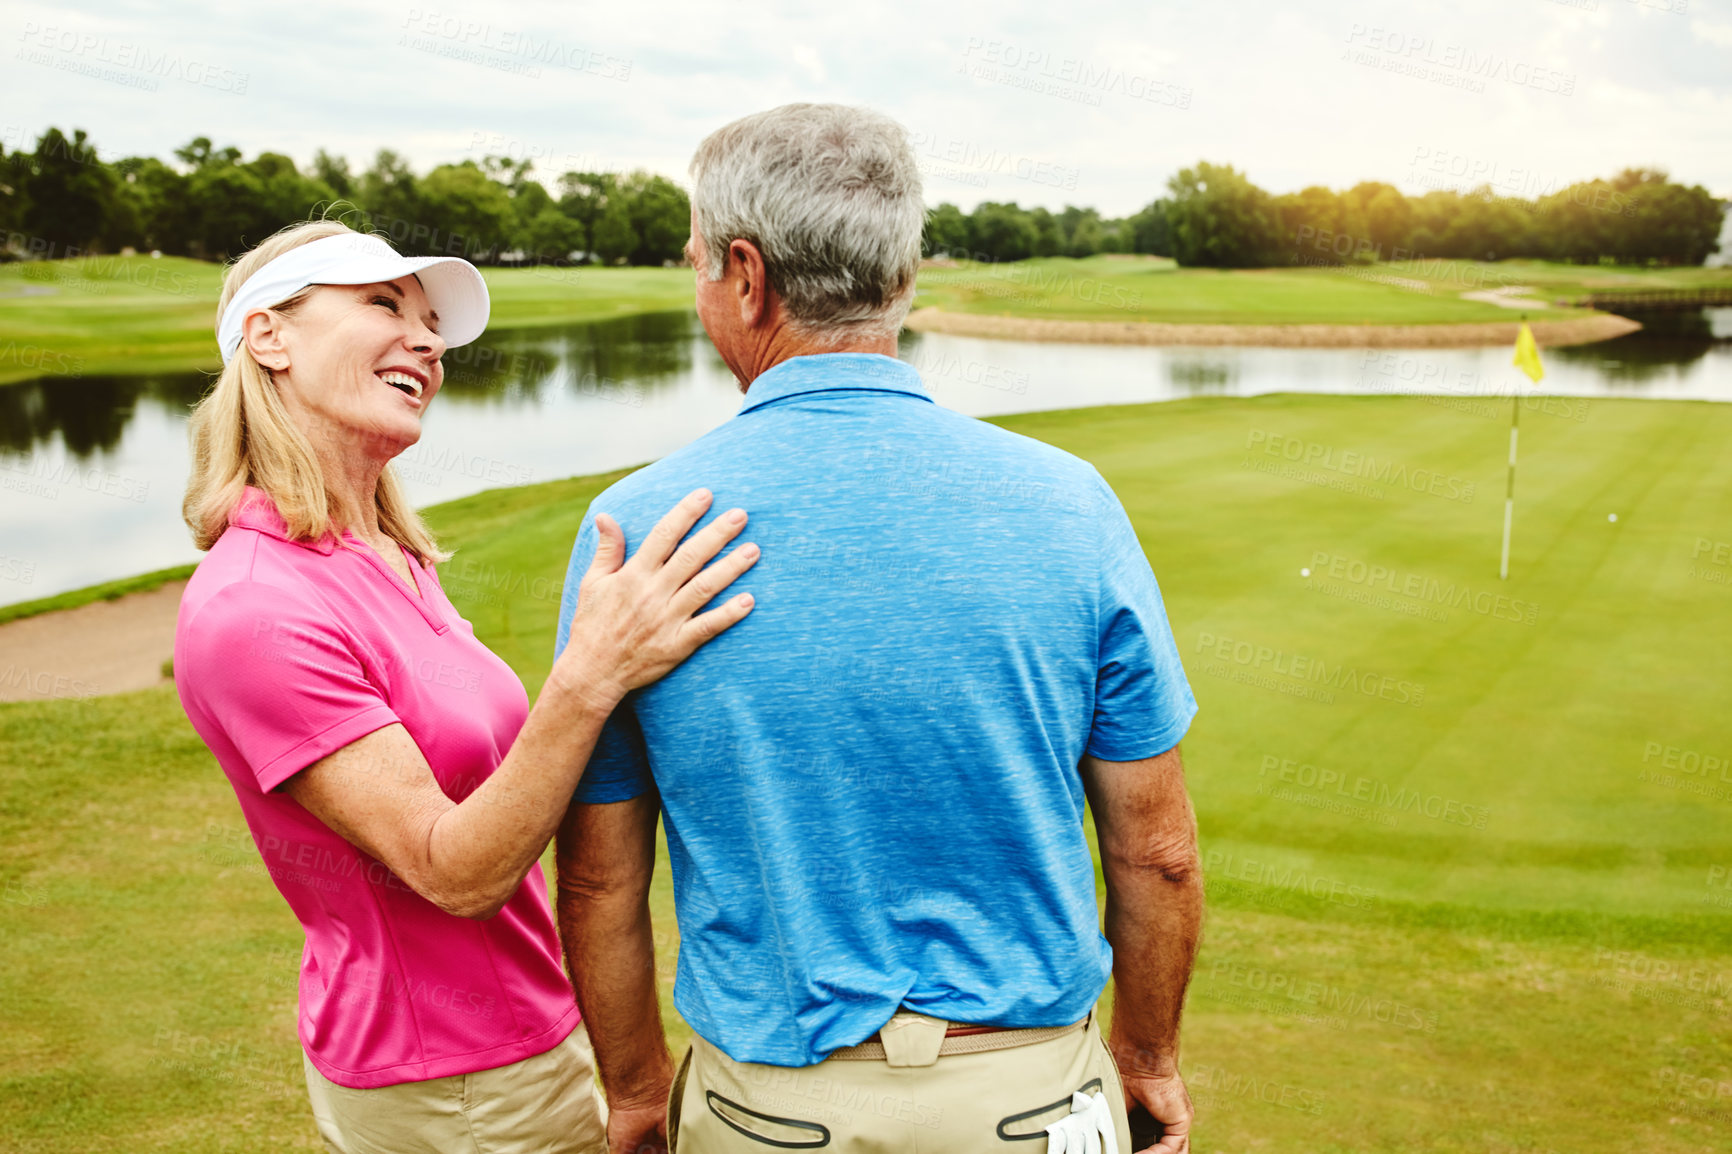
102	315
1458	834
1155	290
99	315
107	591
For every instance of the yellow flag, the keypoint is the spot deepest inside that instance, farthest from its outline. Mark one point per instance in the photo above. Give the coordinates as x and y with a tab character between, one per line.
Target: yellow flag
1527	355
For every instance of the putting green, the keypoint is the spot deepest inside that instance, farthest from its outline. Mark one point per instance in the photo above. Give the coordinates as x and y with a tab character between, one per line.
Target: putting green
1465	840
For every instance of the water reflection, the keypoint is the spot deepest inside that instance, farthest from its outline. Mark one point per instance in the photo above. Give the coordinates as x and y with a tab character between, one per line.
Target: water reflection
615	359
629	360
88	414
1666	342
640	351
1204	375
92	469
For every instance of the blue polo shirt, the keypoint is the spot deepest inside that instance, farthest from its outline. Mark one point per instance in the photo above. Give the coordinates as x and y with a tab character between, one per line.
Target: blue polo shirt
870	784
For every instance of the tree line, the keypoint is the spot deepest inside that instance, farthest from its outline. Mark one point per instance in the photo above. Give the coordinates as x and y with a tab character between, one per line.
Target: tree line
1213	216
60	198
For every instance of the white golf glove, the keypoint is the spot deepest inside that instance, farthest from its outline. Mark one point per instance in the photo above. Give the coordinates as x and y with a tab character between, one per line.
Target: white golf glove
1088	1130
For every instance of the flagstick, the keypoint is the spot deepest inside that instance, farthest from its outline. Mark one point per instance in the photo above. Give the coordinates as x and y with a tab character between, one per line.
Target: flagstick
1527	359
1509	494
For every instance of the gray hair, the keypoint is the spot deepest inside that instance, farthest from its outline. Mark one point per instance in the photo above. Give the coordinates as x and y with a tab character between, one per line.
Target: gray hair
831	196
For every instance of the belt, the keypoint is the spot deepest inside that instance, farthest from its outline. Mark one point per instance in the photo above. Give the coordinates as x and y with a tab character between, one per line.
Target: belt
964	1039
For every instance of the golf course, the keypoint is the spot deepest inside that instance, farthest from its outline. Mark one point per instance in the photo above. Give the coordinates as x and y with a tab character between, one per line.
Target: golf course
1466	845
132	314
1397	337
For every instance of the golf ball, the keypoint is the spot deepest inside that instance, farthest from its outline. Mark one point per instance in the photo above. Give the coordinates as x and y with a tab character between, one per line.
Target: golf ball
1304	572
1611	516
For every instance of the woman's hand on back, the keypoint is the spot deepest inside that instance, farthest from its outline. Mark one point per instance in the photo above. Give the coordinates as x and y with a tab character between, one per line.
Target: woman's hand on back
636	619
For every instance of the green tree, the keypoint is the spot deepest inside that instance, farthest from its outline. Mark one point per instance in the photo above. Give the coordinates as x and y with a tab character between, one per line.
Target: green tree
614	238
661	217
1386	214
333	171
68	193
466	213
1081	231
290	195
233	206
1219	219
199	153
1489	227
1579	223
584	197
550	237
946	231
154	203
539	230
1663	222
13	171
1431	216
390	194
1115	235
1002	232
1149	231
513	174
1048	239
1315	228
224	201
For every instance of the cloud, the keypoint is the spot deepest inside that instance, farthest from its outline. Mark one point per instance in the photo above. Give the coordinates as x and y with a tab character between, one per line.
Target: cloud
1011	100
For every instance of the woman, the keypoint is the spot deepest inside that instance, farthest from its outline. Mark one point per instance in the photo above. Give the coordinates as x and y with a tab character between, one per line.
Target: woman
388	764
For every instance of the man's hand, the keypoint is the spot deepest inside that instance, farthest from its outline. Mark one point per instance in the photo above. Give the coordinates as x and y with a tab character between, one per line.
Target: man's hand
1167	1101
1154	914
605	860
638	1129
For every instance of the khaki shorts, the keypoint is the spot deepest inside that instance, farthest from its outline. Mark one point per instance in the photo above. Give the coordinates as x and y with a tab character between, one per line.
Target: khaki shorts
546	1104
961	1103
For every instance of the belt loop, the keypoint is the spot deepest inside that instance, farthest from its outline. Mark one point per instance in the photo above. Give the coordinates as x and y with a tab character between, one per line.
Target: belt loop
912	1039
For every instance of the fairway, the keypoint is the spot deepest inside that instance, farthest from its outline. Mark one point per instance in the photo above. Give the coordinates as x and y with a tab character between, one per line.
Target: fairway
112	314
1405	292
133	314
1466	841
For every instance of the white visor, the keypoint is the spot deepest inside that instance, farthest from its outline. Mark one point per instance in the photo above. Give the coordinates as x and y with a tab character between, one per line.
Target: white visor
453	286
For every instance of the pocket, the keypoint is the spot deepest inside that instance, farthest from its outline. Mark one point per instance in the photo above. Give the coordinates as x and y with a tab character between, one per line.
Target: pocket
786	1133
675	1094
1031	1124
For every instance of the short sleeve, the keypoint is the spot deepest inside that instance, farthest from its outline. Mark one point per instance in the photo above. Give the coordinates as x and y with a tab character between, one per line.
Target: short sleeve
1143	702
619	767
279	678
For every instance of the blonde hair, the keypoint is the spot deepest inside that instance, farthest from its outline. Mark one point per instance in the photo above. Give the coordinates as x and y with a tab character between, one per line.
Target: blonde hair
242	434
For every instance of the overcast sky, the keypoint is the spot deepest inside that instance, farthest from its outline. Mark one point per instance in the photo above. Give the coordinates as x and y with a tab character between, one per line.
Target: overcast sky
1094	104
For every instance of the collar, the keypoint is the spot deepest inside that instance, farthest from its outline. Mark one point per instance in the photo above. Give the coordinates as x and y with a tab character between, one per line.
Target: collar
257	511
825	372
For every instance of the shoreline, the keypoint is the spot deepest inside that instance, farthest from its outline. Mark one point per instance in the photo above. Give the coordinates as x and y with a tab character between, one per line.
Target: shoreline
113	637
1576	331
92	650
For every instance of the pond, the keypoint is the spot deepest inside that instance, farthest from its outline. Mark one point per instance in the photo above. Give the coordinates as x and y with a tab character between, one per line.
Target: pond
91	469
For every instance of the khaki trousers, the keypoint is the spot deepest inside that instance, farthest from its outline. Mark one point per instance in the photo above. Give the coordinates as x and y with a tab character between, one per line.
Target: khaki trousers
546	1104
955	1104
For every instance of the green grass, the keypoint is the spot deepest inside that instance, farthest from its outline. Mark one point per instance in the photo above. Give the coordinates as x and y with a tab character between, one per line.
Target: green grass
113	314
107	591
1532	985
98	315
1118	288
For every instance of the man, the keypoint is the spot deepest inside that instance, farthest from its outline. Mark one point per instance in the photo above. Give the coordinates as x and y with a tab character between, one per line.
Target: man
873	789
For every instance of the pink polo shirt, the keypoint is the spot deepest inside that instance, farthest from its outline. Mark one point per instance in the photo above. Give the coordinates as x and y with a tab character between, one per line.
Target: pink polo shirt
286	652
